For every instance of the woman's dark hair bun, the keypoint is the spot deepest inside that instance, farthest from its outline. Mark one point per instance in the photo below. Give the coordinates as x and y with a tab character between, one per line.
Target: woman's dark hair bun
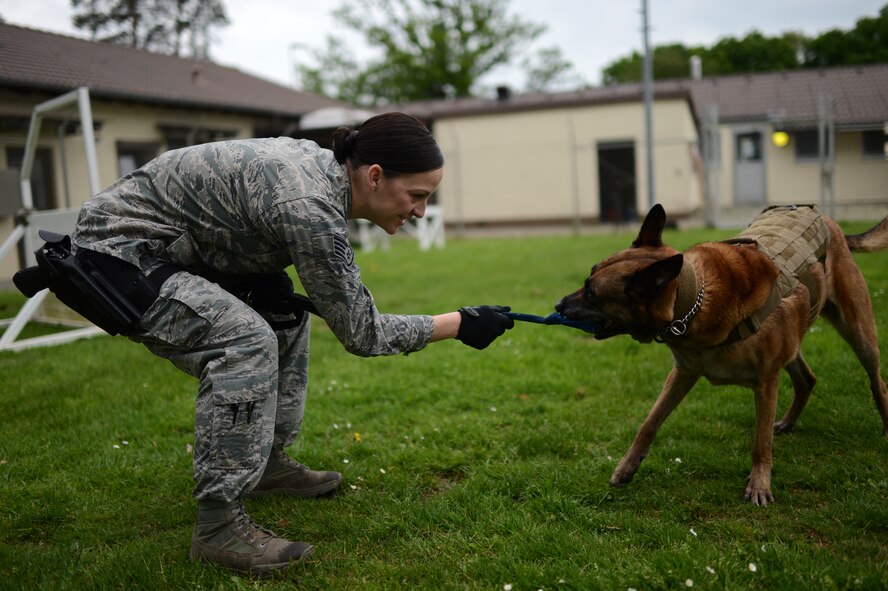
397	142
344	142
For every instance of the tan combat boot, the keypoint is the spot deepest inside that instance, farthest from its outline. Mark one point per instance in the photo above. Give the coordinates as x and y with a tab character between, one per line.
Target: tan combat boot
285	476
225	535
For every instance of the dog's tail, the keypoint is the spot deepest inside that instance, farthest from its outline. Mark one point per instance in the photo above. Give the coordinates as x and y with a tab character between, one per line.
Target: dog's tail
873	240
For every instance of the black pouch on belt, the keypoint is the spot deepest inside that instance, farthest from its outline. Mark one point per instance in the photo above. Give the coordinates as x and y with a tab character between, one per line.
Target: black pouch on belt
109	292
269	293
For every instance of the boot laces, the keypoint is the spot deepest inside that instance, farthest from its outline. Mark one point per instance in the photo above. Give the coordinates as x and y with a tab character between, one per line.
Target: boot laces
284	459
248	528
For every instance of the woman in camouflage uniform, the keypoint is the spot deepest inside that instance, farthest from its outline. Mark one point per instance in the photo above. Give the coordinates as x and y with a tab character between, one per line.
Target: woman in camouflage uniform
245	207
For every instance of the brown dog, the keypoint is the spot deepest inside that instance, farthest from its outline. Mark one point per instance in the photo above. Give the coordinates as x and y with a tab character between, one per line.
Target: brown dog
735	312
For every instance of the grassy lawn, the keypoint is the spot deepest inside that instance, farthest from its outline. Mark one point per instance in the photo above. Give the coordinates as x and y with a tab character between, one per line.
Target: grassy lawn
463	469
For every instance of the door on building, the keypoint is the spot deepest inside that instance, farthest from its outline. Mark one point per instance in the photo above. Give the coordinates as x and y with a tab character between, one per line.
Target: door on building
616	182
749	168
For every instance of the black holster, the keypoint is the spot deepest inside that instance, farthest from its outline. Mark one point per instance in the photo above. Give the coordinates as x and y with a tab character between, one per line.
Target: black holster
109	292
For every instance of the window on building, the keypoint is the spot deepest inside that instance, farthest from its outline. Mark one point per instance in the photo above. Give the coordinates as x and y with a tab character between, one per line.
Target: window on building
42	178
179	137
874	143
749	147
132	156
806	144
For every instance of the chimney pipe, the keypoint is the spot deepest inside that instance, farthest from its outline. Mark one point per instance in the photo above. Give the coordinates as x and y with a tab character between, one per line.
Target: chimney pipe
696	67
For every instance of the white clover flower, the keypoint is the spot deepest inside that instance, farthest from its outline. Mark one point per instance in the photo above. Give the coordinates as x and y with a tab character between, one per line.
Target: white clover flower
752	567
689	583
710	570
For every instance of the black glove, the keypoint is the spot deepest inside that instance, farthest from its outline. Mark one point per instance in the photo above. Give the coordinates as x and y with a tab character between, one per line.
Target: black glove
481	325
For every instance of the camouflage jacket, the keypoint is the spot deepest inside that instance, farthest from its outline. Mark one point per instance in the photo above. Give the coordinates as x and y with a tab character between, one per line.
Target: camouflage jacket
250	206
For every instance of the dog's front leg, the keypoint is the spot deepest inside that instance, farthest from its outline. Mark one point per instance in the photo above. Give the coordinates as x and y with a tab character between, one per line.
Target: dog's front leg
803	381
759	489
677	385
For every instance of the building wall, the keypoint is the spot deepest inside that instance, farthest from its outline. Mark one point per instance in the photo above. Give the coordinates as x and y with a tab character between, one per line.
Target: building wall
132	124
543	165
858	180
120	122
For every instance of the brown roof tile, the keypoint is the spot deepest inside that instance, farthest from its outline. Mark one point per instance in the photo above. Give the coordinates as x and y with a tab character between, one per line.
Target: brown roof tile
861	94
36	59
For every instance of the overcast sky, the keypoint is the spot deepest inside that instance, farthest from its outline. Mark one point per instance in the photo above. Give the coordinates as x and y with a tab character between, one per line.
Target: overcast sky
267	37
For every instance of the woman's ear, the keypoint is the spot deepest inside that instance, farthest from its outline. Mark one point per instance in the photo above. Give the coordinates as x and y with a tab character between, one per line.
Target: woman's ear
374	176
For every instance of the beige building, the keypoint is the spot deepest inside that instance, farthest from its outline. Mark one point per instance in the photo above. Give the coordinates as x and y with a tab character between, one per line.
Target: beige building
142	104
754	167
564	158
582	157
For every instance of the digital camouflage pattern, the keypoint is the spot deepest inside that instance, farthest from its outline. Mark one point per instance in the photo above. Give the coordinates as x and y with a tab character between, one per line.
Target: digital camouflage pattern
250	206
242	206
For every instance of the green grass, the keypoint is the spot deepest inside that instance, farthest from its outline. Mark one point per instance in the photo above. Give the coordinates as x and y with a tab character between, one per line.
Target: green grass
474	469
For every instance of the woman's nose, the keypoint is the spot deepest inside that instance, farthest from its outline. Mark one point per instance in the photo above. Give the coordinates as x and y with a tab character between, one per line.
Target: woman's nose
419	210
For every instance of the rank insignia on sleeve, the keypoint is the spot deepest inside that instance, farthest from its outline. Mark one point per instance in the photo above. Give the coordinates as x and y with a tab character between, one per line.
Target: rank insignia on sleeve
343	250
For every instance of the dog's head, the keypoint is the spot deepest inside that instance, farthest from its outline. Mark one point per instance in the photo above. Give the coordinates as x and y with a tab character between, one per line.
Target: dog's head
629	292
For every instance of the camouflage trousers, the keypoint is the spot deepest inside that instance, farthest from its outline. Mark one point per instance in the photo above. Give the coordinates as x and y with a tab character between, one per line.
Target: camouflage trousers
252	379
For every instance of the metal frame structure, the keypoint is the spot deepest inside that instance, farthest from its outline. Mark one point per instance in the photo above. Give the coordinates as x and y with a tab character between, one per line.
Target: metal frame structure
28	216
428	231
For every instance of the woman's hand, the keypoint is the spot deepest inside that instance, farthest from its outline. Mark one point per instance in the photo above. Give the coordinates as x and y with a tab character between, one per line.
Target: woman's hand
481	325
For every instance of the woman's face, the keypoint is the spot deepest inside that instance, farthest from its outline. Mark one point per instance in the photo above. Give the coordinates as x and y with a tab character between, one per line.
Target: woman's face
392	202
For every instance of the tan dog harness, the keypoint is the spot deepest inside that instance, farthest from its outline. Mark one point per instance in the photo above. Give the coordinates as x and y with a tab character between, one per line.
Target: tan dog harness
795	237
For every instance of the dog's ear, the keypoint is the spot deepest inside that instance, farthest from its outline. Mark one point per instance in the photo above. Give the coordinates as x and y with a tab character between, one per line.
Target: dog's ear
647	283
651	233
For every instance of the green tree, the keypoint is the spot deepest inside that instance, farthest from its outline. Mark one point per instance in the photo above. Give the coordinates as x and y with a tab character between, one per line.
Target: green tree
426	49
753	53
866	43
548	68
164	26
669	61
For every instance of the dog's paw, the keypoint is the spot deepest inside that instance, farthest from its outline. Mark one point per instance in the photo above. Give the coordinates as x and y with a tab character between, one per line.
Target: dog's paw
784	427
758	496
621	477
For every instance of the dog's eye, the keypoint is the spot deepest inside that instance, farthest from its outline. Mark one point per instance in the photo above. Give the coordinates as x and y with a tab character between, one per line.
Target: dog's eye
588	292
